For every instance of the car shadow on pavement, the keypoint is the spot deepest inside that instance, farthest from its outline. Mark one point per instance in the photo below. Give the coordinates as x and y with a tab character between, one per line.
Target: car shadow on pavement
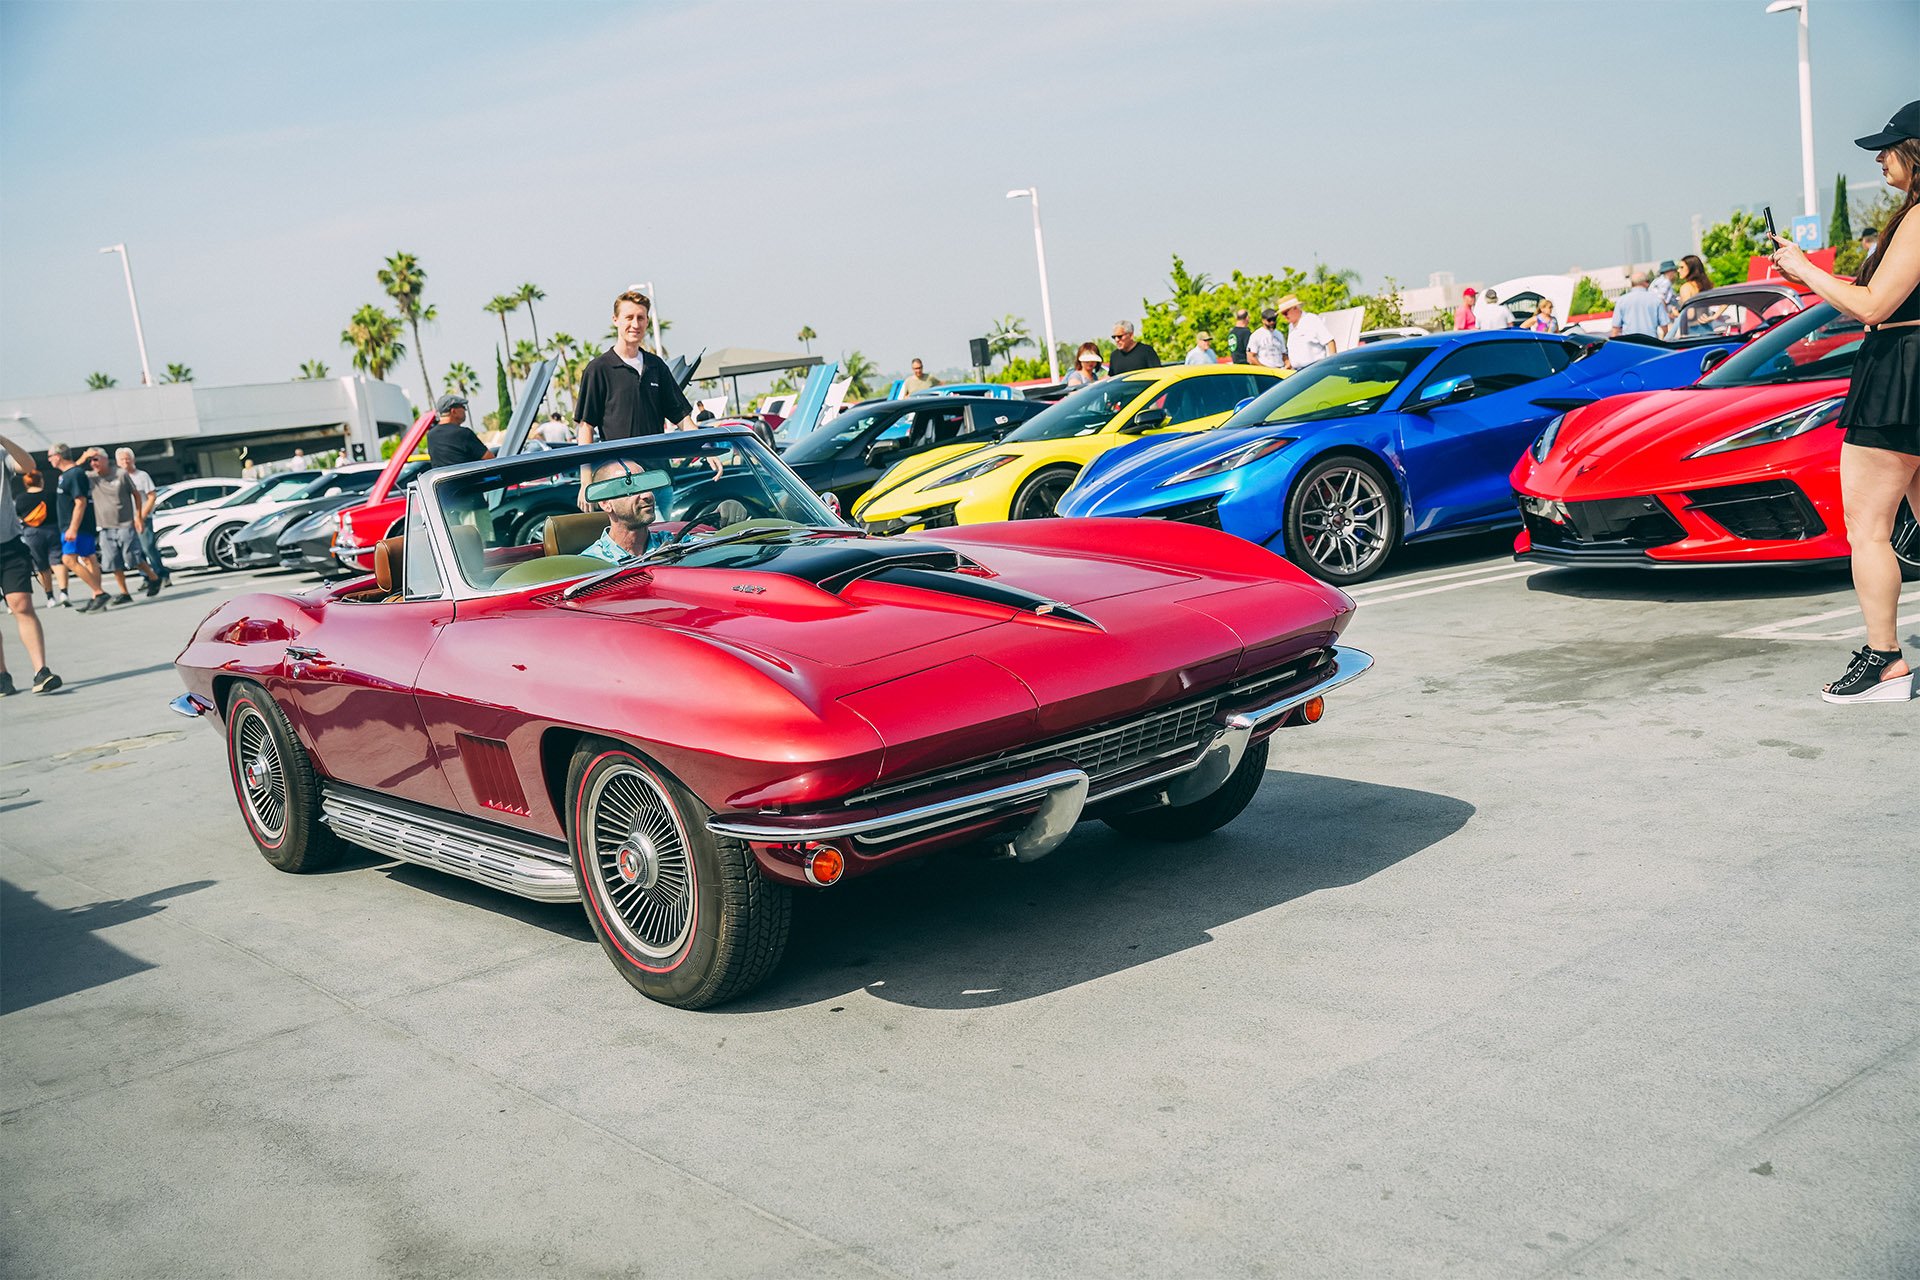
1656	586
962	933
47	952
564	918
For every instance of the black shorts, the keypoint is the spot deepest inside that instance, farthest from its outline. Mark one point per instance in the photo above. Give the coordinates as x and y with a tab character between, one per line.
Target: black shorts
16	568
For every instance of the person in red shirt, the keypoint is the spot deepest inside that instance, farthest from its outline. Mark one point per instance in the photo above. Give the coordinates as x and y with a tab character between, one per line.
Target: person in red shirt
1463	318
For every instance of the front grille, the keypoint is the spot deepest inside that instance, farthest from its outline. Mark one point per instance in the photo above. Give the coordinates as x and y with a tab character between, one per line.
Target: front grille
1205	512
1766	511
1111	750
1607	523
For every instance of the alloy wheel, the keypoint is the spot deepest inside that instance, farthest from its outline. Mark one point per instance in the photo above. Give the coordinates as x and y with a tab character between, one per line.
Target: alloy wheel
1344	521
639	859
1042	498
220	548
263	778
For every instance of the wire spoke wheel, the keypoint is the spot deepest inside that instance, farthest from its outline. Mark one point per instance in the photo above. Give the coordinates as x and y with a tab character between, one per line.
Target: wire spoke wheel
640	862
263	778
1344	521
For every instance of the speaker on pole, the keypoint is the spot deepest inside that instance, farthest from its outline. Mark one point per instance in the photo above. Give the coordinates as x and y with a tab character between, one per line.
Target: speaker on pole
977	349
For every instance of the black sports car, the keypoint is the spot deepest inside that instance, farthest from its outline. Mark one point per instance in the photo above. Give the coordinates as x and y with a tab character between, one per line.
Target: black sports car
845	455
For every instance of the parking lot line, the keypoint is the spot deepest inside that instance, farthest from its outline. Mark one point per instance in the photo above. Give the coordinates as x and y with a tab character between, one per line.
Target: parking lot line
1422	579
1791	628
1527	572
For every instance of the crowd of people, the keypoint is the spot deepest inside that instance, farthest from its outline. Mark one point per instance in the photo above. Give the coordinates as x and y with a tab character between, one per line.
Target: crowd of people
88	522
1305	340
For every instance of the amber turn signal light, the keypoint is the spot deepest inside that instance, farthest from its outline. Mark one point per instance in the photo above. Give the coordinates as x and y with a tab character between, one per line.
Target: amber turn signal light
1312	709
824	863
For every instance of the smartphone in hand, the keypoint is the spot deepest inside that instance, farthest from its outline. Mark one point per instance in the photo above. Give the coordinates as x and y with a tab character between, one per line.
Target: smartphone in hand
1773	232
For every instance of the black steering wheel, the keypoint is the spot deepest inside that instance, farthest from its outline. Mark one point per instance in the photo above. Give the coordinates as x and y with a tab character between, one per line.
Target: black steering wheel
720	514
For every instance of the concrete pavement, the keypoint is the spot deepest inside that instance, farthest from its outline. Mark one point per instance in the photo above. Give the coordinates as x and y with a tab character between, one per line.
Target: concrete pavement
1577	940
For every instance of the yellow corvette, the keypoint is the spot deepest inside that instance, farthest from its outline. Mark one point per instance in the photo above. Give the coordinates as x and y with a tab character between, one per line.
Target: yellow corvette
1022	475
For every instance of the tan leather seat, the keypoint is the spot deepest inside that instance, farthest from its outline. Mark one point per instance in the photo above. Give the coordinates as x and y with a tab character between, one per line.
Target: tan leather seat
390	564
569	535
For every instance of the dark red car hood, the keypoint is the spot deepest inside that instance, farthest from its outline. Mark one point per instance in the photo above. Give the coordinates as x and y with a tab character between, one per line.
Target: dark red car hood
1635	444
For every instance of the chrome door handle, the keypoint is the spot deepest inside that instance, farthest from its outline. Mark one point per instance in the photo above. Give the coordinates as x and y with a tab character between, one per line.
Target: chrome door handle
301	653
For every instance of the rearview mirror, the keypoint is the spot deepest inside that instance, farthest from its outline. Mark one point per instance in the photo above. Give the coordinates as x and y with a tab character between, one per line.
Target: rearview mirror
1145	420
627	485
1445	391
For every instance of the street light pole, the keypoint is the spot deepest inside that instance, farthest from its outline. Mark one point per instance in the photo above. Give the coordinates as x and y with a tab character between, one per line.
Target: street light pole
139	335
1046	302
1806	105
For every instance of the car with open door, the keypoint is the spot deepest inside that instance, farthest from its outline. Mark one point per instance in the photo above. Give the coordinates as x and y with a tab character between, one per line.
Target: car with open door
698	693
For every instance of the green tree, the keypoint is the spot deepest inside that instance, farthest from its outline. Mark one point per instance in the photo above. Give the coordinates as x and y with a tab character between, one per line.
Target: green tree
1728	245
562	345
805	338
860	372
1386	309
374	338
1588	299
502	390
1842	229
520	363
1196	302
312	371
178	373
500	306
1008	334
461	379
1022	369
404	280
530	294
101	381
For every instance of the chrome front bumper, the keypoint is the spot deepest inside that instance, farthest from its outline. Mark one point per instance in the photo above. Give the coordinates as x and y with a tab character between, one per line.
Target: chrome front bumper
1061	795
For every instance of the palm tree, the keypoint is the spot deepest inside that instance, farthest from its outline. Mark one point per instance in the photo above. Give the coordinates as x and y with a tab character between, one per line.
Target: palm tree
562	345
859	371
525	356
461	379
1008	335
500	306
805	337
178	373
530	294
101	381
404	280
312	371
663	326
374	337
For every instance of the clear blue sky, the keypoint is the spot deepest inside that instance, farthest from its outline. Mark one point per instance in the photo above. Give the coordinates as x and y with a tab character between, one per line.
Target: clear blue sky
844	164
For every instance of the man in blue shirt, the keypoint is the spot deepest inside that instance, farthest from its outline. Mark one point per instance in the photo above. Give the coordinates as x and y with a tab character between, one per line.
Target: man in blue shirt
629	531
1639	309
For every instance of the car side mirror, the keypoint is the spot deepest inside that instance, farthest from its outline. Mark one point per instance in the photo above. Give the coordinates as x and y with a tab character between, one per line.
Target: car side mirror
1445	391
1144	421
880	450
831	501
1713	359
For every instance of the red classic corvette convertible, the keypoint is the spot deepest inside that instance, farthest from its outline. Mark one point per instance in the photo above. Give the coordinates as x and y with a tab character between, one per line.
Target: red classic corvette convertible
704	691
1741	468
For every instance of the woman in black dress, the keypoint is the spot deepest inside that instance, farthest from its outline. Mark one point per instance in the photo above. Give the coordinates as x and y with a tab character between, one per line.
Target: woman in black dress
1880	461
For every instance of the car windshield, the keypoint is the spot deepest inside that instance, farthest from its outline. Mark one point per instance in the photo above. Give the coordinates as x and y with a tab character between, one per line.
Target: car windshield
546	517
285	488
1083	413
1340	386
1817	343
827	441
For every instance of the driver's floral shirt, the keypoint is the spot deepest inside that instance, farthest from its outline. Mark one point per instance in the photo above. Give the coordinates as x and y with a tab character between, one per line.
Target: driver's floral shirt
605	548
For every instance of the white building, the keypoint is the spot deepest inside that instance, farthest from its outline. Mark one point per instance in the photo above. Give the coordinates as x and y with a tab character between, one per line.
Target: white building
182	429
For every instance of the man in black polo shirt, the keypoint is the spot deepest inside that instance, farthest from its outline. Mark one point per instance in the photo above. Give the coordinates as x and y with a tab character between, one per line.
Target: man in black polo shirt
1128	352
627	392
450	440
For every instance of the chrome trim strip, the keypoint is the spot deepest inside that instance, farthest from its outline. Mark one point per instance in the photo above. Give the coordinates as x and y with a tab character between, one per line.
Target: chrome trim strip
1066	792
951	810
492	858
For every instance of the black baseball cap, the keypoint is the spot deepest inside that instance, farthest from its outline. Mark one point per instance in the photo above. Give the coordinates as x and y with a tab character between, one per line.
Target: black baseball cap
1905	124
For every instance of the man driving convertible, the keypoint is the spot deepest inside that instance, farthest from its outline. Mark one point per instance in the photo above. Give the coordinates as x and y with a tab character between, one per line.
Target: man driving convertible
630	516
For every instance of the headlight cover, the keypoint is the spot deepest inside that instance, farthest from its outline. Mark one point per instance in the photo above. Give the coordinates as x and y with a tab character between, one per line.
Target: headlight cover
975	470
1230	460
1543	445
1785	427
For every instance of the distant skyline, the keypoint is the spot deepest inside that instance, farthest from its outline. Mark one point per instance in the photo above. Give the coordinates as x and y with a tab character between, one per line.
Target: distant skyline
844	165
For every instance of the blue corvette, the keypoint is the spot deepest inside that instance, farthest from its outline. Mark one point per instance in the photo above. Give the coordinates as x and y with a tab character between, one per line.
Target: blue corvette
1389	443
